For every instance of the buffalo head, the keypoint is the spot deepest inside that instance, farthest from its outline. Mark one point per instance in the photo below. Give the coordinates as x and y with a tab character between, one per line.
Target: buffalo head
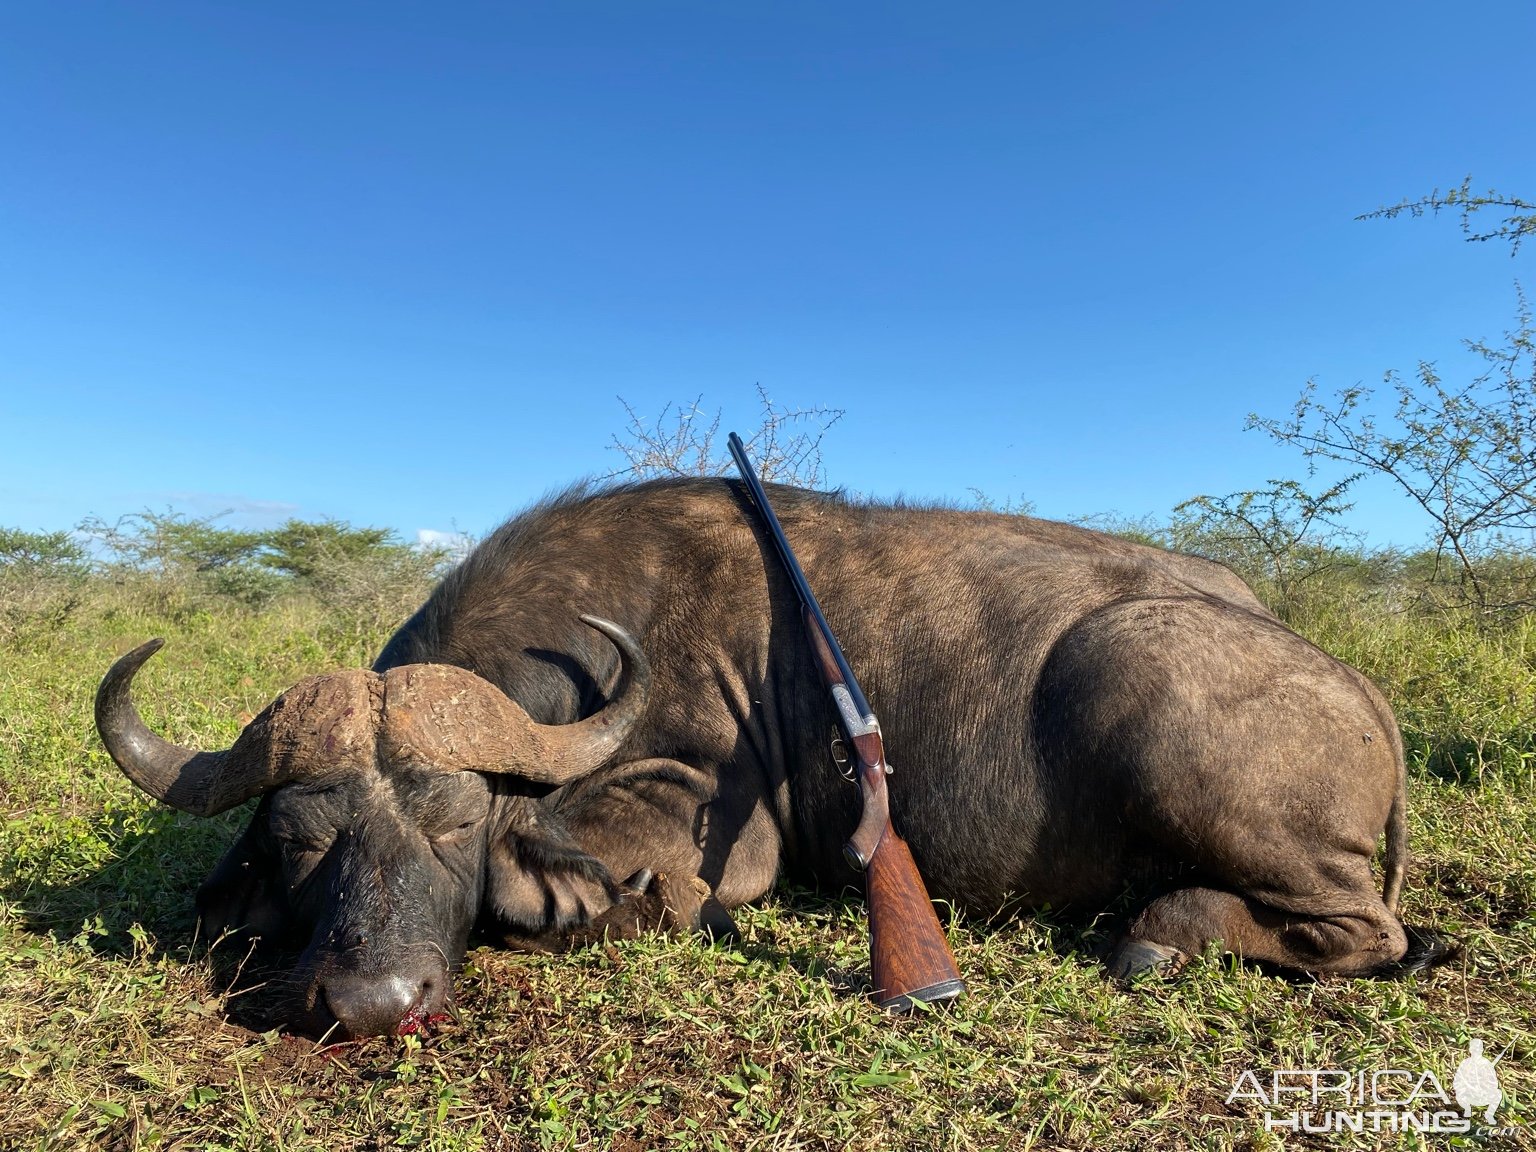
368	851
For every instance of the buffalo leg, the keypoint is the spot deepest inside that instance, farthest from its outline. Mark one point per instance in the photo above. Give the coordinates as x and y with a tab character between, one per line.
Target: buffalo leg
662	903
706	852
1358	937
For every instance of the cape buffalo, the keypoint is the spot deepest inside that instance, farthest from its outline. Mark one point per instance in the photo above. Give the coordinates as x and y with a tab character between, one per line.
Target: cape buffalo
1069	714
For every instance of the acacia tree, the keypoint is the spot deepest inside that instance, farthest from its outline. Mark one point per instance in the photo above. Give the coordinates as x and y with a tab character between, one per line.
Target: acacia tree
1464	452
1280	537
683	441
41	576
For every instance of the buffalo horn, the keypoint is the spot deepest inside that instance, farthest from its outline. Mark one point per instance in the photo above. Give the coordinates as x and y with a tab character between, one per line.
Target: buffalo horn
319	722
448	717
573	750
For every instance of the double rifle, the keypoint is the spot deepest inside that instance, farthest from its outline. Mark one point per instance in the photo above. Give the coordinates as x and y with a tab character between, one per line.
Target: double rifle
909	958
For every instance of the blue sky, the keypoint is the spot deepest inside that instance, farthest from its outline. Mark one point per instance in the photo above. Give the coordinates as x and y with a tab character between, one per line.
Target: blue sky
396	263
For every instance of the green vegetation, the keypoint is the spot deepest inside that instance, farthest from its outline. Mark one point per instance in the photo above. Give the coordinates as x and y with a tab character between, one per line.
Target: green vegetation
365	580
115	1030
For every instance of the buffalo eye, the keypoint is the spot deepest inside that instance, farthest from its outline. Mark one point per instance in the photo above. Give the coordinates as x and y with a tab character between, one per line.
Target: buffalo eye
457	834
299	844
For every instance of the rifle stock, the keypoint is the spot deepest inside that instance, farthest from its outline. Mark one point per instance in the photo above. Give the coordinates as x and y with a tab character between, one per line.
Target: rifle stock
909	959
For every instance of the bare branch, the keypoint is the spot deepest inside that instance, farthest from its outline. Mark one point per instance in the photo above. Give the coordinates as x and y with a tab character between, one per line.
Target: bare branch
681	441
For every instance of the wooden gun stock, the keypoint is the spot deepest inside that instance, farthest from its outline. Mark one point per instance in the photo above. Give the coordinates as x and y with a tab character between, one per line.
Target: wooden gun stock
909	959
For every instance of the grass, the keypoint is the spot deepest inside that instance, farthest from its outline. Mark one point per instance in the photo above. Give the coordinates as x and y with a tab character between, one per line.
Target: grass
116	1031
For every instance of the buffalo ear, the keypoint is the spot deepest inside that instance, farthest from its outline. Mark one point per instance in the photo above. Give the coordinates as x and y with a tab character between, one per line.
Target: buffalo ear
241	895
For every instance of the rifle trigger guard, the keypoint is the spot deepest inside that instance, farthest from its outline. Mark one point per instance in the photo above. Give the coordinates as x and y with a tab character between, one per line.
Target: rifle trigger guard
841	758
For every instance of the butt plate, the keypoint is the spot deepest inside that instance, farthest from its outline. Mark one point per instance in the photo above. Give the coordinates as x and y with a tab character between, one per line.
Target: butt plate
933	994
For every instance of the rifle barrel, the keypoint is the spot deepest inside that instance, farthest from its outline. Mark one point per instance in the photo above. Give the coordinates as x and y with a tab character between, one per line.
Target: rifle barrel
803	589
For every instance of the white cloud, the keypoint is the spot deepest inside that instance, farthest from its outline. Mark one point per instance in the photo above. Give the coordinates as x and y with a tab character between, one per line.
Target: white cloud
456	544
252	513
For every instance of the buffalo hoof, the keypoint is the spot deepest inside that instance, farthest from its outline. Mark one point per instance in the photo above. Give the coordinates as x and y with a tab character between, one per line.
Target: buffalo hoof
1136	958
692	904
640	908
1427	948
716	922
